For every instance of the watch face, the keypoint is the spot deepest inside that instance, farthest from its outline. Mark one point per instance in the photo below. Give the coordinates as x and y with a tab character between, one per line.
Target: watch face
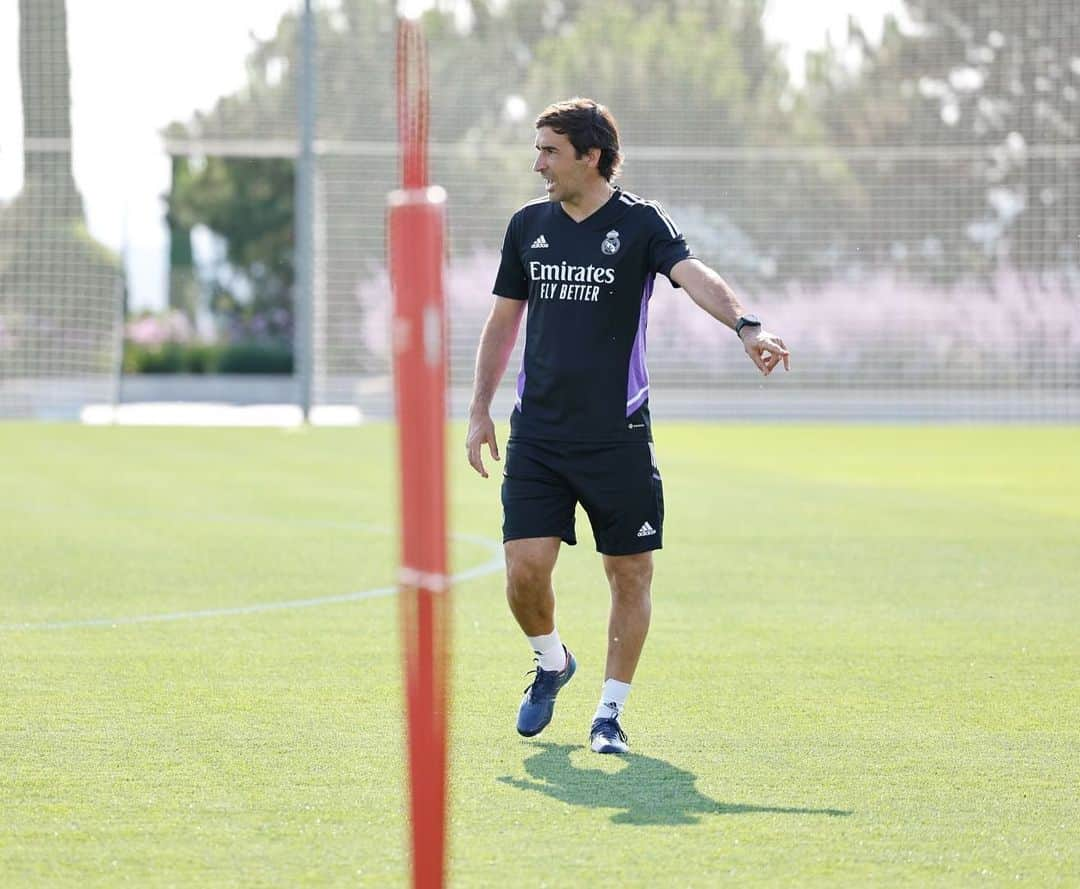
748	320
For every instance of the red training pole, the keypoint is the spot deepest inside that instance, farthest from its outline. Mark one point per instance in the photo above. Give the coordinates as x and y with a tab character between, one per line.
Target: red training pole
419	342
416	221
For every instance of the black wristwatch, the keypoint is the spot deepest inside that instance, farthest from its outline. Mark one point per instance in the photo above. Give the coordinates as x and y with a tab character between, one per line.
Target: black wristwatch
746	321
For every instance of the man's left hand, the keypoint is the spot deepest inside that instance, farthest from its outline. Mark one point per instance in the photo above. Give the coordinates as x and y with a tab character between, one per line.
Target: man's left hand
765	349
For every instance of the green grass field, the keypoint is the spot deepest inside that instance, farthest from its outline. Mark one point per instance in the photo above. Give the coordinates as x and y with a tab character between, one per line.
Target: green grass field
864	666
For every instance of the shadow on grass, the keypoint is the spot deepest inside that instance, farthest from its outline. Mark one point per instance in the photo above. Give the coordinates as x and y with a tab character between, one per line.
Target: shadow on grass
647	790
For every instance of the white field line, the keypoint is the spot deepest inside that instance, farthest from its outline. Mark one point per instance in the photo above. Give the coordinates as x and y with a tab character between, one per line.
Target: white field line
494	564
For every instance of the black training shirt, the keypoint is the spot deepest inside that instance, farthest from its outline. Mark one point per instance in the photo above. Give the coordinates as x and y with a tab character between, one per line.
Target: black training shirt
583	376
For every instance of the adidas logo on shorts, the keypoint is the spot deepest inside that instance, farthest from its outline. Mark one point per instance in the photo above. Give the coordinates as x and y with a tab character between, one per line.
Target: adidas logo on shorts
646	530
540	242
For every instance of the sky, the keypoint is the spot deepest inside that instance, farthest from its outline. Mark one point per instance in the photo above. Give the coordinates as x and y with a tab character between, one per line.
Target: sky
132	73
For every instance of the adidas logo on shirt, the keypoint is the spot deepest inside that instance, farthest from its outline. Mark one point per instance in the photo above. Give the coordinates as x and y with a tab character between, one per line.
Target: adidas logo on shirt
646	530
541	242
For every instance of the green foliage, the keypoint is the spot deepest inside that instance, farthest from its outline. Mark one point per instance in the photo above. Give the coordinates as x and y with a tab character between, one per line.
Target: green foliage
636	60
165	358
248	202
207	358
249	358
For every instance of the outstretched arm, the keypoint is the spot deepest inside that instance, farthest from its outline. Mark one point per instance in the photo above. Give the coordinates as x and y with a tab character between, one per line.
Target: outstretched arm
496	344
713	294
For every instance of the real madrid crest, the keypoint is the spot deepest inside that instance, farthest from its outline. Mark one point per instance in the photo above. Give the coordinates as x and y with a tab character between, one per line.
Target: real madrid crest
611	243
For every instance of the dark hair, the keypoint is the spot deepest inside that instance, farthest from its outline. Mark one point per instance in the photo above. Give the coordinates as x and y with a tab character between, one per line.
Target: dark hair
587	124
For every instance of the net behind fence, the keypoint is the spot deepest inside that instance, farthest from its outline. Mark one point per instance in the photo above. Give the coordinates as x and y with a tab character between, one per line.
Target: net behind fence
908	218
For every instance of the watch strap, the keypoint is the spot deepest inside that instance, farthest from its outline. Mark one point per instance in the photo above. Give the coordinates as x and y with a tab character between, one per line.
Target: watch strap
746	321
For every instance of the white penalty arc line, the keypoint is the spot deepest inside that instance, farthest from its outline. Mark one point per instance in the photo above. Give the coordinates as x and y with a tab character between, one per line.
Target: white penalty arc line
489	567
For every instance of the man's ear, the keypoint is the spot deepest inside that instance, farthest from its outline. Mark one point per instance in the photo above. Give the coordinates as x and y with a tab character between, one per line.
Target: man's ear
593	154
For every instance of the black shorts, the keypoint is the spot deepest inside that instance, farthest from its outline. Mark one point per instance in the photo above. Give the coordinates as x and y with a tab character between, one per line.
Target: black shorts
618	485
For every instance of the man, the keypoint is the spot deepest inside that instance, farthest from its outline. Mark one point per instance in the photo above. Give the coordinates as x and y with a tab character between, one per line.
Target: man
584	259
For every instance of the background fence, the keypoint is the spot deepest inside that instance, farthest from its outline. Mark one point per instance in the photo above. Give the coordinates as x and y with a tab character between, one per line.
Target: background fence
906	216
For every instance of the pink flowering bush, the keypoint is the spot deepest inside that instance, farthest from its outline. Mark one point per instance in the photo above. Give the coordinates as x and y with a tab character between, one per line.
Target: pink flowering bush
156	330
469	280
1014	331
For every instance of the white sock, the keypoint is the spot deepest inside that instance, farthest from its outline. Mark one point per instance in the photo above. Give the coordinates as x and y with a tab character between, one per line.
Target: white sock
612	699
549	650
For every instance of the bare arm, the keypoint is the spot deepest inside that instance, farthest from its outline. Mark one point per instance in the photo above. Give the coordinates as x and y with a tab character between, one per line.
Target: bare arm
713	294
496	344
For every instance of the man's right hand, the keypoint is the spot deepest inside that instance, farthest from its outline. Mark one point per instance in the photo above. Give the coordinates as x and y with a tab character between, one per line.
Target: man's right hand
481	431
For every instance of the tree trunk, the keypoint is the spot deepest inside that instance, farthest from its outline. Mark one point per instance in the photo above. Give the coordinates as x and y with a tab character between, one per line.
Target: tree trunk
46	99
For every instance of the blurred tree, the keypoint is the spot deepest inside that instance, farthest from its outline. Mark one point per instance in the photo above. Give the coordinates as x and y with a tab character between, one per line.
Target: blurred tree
45	75
689	76
357	124
356	47
248	203
685	77
59	289
184	293
982	97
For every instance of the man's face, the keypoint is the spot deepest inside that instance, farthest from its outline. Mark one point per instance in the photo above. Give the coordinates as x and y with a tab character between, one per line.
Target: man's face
565	174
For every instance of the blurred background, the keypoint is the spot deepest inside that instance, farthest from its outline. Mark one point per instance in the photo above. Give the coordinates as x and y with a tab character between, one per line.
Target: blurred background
894	185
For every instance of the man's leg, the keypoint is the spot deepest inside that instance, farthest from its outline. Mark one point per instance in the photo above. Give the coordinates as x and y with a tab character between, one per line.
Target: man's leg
630	579
529	565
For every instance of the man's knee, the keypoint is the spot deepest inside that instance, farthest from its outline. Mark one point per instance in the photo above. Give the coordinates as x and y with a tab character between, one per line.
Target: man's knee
630	577
527	577
529	565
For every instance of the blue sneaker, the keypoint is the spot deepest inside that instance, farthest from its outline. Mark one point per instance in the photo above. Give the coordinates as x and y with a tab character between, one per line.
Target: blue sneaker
539	701
607	736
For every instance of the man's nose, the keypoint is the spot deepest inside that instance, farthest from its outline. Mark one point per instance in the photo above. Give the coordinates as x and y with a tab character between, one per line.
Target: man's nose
538	167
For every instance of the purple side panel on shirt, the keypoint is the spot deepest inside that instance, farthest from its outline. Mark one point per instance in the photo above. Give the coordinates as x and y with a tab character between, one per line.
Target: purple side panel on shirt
521	373
637	380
